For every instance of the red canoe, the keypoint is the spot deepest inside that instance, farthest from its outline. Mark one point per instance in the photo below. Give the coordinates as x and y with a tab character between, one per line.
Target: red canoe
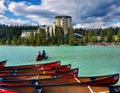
34	66
56	70
36	77
98	81
16	70
71	88
3	90
78	89
40	58
37	65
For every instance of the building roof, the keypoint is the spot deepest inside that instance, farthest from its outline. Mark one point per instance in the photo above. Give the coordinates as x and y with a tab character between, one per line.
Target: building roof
42	27
63	16
78	35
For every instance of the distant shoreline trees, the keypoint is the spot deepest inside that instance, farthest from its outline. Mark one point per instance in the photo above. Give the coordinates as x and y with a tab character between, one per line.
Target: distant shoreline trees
11	35
99	35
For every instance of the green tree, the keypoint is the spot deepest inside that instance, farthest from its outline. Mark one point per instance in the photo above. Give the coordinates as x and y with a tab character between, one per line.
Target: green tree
113	39
44	38
31	38
118	35
48	37
101	36
52	38
27	42
20	41
94	37
90	37
38	39
109	35
14	41
71	36
85	39
60	35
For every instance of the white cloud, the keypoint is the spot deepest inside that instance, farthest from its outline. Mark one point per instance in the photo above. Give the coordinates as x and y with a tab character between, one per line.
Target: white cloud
8	21
85	13
34	12
2	7
97	25
92	25
116	24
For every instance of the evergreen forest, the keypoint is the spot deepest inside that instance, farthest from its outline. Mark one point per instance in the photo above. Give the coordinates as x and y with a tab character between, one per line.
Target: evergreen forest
11	35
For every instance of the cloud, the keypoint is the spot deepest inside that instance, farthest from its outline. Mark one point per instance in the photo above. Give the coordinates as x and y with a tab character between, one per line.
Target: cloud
8	21
85	13
34	12
92	25
2	7
116	24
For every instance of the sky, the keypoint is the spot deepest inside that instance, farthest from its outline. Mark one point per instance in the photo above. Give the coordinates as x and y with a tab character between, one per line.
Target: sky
84	13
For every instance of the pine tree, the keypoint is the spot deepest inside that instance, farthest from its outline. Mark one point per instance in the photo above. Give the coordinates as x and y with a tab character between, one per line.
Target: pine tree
90	37
94	37
52	39
101	36
85	39
31	38
118	36
109	35
71	36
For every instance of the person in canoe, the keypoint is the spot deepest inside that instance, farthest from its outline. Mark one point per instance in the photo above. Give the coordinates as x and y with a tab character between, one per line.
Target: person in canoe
44	54
39	56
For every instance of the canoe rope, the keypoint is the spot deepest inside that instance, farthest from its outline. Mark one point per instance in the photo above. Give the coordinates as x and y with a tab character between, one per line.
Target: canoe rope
87	86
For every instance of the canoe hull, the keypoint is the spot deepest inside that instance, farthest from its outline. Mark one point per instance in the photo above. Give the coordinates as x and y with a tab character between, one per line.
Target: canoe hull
34	66
73	79
66	89
41	58
44	70
80	89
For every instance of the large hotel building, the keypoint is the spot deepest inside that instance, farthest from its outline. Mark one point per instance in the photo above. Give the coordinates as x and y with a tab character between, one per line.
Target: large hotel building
61	21
64	22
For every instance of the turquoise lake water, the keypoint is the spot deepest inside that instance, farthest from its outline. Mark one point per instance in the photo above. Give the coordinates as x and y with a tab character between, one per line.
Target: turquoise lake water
91	60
